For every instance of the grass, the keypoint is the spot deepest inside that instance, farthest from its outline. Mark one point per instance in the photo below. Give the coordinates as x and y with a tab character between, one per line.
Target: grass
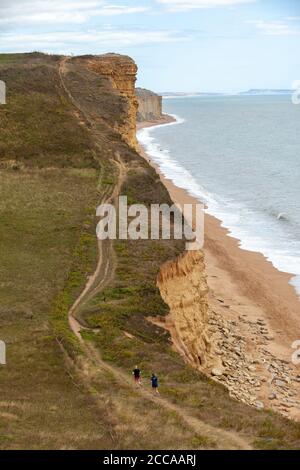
52	176
84	253
123	307
58	140
54	170
41	217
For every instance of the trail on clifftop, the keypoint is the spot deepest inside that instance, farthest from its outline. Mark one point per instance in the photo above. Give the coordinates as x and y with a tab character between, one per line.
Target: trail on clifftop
103	274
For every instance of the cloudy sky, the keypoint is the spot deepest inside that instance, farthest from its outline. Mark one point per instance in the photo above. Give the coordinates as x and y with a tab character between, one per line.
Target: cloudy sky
179	45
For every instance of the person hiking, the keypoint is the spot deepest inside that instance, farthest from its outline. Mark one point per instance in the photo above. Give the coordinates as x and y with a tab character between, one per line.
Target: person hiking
154	383
137	375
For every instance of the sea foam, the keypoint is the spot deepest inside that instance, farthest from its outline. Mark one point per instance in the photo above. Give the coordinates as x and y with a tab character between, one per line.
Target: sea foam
241	222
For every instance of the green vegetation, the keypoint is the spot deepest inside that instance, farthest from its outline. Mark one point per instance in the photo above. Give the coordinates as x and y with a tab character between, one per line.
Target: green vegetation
41	213
82	265
58	140
126	336
55	167
48	194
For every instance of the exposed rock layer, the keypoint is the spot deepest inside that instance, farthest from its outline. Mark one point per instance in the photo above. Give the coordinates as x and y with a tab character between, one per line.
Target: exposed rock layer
183	286
149	105
121	72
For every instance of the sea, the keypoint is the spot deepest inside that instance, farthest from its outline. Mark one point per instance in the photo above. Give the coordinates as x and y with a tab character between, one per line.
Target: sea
240	155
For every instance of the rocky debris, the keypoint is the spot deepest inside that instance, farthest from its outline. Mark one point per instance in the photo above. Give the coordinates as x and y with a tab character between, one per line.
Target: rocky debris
252	379
217	372
259	405
272	396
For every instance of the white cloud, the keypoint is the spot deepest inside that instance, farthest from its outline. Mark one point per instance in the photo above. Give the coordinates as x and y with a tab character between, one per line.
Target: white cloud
53	12
45	25
275	28
108	38
292	18
186	5
119	10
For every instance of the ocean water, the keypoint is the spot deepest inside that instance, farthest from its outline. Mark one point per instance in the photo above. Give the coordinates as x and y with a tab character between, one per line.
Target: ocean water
241	156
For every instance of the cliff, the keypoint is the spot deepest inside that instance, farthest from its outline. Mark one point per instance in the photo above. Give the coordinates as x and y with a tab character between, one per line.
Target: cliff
121	72
149	105
182	284
64	138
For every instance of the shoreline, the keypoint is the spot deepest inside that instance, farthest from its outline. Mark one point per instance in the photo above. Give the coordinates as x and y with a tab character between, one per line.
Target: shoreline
245	288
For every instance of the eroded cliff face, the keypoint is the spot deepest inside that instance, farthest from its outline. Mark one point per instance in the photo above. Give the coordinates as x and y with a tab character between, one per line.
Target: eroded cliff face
149	105
121	72
183	287
182	282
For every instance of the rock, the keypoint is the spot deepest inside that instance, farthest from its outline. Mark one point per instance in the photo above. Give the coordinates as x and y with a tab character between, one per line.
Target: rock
217	372
280	383
252	368
287	405
269	338
121	72
259	405
272	396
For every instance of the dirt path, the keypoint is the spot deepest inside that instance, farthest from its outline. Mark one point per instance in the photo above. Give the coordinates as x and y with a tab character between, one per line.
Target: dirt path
103	274
105	269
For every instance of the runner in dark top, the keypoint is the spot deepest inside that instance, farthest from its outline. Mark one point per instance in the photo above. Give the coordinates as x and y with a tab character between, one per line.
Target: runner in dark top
154	383
137	375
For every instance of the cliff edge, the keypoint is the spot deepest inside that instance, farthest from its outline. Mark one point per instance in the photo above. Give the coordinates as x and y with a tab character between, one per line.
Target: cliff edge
149	105
121	72
68	145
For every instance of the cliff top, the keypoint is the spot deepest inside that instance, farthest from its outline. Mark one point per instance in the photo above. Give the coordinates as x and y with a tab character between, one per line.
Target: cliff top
143	92
62	150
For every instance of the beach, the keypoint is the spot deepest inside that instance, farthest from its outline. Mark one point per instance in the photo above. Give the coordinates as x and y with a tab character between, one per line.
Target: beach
257	303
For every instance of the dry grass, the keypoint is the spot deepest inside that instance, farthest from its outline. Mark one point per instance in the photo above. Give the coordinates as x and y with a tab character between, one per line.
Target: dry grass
41	217
124	307
49	188
47	249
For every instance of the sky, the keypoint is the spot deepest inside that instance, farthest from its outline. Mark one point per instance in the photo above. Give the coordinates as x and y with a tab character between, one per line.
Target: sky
178	45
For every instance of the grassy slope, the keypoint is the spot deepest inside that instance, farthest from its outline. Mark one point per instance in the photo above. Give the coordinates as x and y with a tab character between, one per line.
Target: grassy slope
49	187
50	169
123	308
42	211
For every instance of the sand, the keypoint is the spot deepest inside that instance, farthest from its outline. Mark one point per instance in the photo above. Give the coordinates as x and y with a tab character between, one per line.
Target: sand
244	284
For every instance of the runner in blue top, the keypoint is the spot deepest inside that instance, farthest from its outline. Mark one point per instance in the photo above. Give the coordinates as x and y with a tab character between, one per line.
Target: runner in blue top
154	383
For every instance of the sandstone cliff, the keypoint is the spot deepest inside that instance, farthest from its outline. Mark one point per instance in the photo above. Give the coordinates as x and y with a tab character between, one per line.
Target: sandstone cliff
182	282
149	105
183	287
121	72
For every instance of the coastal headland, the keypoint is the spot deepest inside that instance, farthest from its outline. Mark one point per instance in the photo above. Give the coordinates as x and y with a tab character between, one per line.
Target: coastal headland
77	313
